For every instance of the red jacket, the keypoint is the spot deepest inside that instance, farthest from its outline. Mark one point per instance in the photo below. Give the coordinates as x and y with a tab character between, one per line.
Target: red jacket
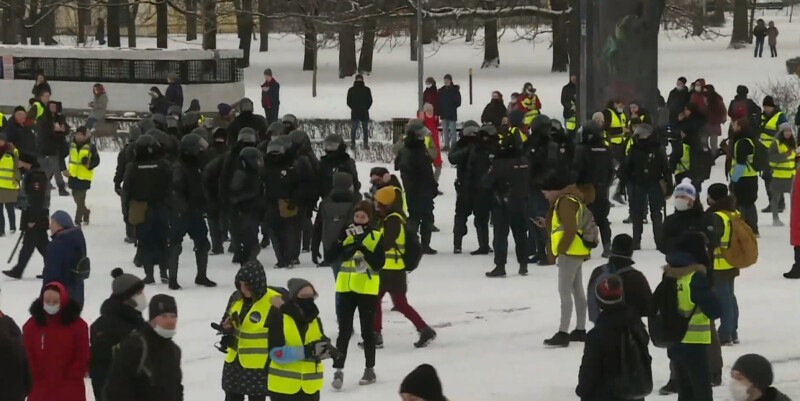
58	350
795	213
432	123
431	95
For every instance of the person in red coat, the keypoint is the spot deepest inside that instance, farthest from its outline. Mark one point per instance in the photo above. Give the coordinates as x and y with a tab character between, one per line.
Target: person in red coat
57	344
431	122
431	95
794	236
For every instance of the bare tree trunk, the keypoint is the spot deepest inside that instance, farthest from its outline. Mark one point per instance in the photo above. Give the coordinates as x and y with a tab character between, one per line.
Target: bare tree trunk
698	20
469	34
309	45
162	27
47	22
574	40
246	30
263	25
740	36
347	51
15	15
367	46
752	19
429	33
84	19
33	16
113	22
718	18
209	24
491	52
412	21
560	33
133	12
191	19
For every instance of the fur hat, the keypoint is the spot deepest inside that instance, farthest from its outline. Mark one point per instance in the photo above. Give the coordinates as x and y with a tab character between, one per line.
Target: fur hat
386	196
424	383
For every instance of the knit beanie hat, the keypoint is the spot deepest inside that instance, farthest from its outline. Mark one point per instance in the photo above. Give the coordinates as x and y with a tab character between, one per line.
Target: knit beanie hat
742	90
386	196
224	109
686	189
364	206
610	291
19	108
768	101
755	368
125	285
63	219
161	304
717	191
622	245
424	383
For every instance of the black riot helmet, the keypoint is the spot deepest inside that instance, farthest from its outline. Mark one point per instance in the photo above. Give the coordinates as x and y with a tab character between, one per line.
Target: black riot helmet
279	145
556	128
542	125
146	124
298	138
247	135
203	132
275	129
332	143
251	158
134	133
246	105
193	144
289	122
146	146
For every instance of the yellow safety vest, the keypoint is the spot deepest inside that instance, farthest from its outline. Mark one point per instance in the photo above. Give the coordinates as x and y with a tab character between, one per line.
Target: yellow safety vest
305	375
2	119
699	329
769	128
685	164
724	243
394	256
350	279
577	247
39	109
252	337
787	168
76	168
516	131
572	122
530	104
615	128
8	171
749	170
629	145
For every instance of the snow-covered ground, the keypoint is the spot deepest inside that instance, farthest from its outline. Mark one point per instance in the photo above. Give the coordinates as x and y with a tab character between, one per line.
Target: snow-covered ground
490	331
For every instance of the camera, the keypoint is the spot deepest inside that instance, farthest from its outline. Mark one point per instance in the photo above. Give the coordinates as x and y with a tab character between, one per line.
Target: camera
228	340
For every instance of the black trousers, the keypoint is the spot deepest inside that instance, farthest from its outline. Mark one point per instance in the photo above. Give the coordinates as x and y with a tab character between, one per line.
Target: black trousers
694	375
193	224
511	215
420	216
217	228
600	209
537	236
244	231
130	229
284	235
642	196
34	238
476	202
305	214
365	304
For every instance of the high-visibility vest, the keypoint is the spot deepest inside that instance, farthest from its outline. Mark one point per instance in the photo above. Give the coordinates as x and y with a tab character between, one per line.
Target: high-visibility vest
350	279
615	128
394	256
529	103
2	119
685	164
769	128
252	336
787	168
749	170
724	243
306	375
577	247
629	145
39	109
76	168
8	171
699	329
571	123
516	131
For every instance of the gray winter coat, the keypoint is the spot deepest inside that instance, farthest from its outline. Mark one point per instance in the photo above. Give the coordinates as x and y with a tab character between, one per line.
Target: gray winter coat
778	185
100	107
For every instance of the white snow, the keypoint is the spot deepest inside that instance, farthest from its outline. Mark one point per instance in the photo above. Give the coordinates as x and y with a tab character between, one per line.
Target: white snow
490	331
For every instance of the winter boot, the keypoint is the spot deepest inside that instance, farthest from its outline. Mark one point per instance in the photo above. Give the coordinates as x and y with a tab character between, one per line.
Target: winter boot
13	274
523	269
129	240
426	336
434	228
378	342
173	256
264	242
338	379
368	377
670	388
776	222
427	250
457	244
716	379
577	336
481	251
627	220
63	192
560	339
606	253
618	198
163	273
499	271
201	256
137	258
794	273
148	271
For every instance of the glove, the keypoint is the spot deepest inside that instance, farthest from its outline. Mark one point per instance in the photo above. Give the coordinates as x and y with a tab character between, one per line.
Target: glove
118	190
85	161
320	350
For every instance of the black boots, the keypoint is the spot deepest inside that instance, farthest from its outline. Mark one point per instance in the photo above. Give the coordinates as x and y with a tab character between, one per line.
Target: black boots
148	271
481	251
499	271
201	256
426	336
794	273
523	269
560	339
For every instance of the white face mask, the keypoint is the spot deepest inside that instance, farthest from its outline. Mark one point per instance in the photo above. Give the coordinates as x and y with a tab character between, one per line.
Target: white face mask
140	302
620	109
738	390
429	85
698	88
681	204
166	333
52	309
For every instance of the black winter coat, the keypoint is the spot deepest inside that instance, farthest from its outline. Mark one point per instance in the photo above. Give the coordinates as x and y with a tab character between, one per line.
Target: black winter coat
125	156
359	100
148	180
211	174
247	120
160	379
601	354
416	169
676	102
281	180
449	102
174	94
22	137
680	222
306	168
336	162
52	142
494	113
159	105
594	165
35	208
638	294
568	99
646	164
116	322
14	367
746	189
187	186
39	88
508	179
246	192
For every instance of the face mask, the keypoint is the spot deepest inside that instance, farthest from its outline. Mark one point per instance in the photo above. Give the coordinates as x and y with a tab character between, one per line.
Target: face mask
165	333
52	309
140	302
308	307
679	87
681	204
698	88
620	109
738	390
429	85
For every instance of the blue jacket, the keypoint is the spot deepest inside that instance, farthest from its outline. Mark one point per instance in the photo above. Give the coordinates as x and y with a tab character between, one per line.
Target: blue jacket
63	254
174	94
449	102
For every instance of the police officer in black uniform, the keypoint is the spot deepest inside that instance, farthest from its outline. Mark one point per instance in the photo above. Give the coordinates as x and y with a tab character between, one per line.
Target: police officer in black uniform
186	216
307	168
535	151
282	201
507	178
246	200
125	156
472	157
415	165
336	160
594	165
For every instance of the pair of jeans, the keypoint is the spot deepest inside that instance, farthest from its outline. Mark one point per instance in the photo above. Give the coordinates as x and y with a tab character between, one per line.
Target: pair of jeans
12	217
365	304
400	302
750	216
364	124
759	49
271	114
336	266
773	50
450	133
729	321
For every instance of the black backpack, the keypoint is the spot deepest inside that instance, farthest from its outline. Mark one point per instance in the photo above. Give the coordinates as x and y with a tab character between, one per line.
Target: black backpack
702	160
635	380
667	325
83	268
760	156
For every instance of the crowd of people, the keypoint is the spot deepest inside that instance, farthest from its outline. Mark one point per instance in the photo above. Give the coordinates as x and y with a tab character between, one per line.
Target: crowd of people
256	182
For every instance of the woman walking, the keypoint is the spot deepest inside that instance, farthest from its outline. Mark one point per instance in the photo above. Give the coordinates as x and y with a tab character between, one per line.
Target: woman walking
783	167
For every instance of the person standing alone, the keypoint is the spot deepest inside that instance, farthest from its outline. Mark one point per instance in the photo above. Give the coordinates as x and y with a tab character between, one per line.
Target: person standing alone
270	96
449	102
359	100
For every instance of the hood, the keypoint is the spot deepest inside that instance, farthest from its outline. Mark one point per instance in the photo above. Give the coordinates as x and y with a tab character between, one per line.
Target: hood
678	272
70	309
157	91
194	106
253	274
359	84
115	307
73	236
